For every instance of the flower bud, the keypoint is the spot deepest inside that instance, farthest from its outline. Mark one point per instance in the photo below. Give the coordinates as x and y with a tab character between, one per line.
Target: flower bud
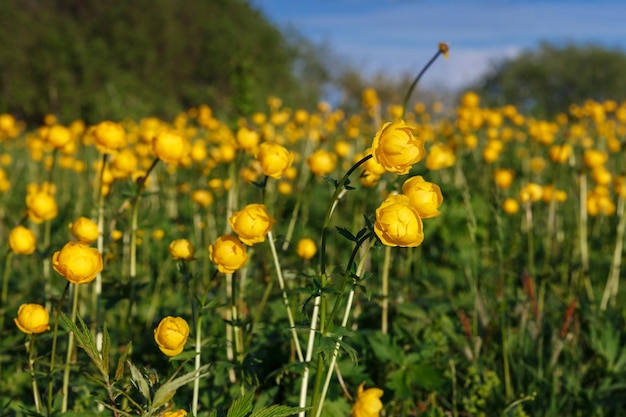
32	318
274	159
322	162
424	196
368	402
169	146
181	249
171	335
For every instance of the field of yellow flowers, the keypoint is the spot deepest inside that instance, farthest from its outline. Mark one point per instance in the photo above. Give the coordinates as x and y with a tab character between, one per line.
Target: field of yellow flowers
427	261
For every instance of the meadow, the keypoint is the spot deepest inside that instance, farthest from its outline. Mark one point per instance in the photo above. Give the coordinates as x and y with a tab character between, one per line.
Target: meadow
388	261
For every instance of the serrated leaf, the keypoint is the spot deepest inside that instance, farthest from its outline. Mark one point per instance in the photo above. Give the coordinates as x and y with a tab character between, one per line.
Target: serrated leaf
277	411
346	233
167	390
242	406
85	340
119	371
139	381
106	349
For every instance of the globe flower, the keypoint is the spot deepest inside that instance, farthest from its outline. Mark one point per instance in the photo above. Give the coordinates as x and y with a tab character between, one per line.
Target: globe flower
368	402
398	223
228	253
530	192
58	136
594	158
560	153
424	196
252	223
202	197
306	248
85	230
177	413
322	162
169	146
440	156
510	206
503	178
109	136
396	148
77	262
22	241
181	249
171	335
41	206
274	159
32	319
247	139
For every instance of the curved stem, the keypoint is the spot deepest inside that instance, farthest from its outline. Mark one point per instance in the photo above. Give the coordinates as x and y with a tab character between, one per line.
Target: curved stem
416	80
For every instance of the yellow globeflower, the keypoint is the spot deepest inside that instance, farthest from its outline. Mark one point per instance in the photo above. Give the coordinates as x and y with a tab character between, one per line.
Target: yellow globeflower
85	230
252	223
109	136
32	318
440	156
398	223
247	139
396	148
424	196
322	162
177	413
370	98
202	197
594	158
510	206
125	163
41	206
274	159
368	402
77	262
58	136
171	335
181	249
306	248
228	253
503	178
531	192
169	146
22	241
560	154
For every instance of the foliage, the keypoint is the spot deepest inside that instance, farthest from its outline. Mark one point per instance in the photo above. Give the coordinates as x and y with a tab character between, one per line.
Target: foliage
545	81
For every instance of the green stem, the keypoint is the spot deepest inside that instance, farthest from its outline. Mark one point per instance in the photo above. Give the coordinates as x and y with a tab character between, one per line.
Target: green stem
31	367
196	382
97	288
5	286
281	283
612	283
55	334
385	291
70	349
416	80
582	236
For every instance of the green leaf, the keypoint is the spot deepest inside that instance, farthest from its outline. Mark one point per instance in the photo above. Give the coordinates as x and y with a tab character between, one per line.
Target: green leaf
119	371
277	411
167	390
106	349
242	406
139	381
85	340
346	233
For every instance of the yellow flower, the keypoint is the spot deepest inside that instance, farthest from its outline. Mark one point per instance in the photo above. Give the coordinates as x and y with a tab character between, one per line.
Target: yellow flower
32	318
510	206
252	223
370	98
169	146
530	192
424	196
22	241
177	413
77	262
274	159
125	163
171	335
58	136
306	248
560	153
202	197
85	230
228	253
247	139
41	206
396	148
440	156
109	136
503	178
594	158
398	223
368	402
322	162
181	249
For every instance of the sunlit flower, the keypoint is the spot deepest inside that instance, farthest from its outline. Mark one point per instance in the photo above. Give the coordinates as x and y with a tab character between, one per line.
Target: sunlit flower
203	198
169	146
32	319
322	162
368	402
510	206
396	148
274	159
306	248
440	156
77	262
398	223
171	335
109	136
424	196
503	178
252	223
22	241
58	136
85	230
41	206
181	249
228	253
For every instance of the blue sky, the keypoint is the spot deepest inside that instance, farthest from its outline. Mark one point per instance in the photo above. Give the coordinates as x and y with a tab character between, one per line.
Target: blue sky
398	36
